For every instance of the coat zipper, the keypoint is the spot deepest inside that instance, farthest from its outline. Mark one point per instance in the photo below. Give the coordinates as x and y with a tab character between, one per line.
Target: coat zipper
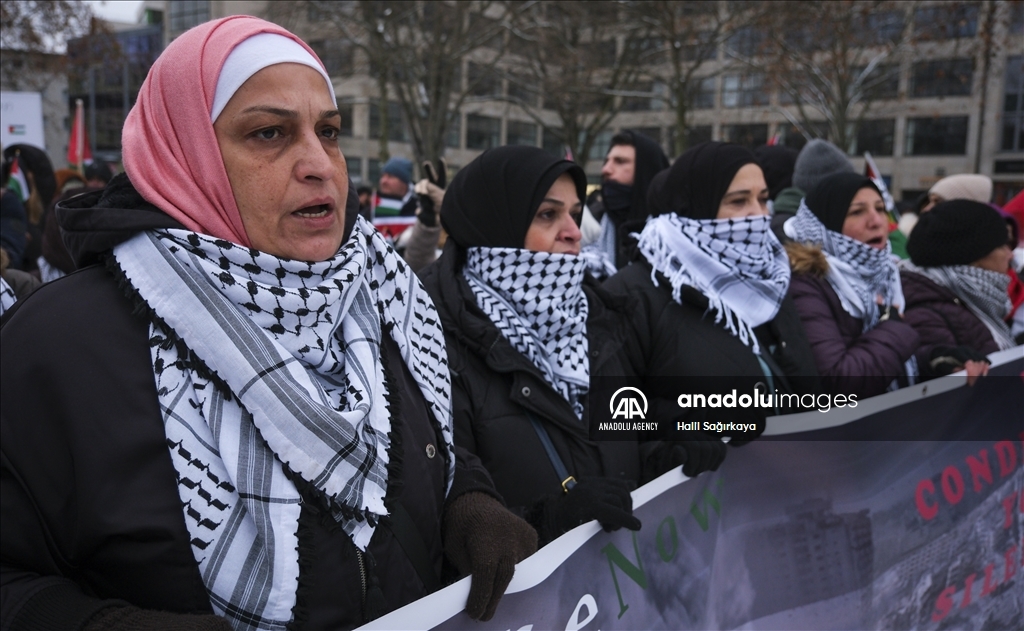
362	572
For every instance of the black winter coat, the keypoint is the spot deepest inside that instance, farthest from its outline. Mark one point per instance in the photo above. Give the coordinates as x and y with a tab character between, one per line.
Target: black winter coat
682	340
493	387
89	506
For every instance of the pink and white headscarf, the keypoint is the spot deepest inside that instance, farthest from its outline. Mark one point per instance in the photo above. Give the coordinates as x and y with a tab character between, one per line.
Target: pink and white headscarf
170	150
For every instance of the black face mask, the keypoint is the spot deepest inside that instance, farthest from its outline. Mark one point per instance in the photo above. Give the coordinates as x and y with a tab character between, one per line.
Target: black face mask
616	197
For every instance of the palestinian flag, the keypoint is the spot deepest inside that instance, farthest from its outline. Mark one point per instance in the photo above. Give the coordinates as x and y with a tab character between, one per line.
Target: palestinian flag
17	181
386	206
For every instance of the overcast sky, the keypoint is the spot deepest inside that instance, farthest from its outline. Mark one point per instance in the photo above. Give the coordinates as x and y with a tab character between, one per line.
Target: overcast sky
116	10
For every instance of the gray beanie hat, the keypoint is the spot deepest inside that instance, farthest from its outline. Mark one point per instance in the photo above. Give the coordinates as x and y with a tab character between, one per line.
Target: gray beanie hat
817	160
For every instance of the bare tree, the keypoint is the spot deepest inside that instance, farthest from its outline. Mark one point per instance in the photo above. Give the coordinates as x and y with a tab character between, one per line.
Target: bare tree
576	61
416	51
39	30
684	36
830	61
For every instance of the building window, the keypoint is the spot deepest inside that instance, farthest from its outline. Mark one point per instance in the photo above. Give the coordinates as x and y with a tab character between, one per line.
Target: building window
522	87
948	20
185	14
602	143
453	137
373	167
883	83
946	77
875	136
880	27
336	55
482	132
354	169
646	103
345	128
396	122
521	133
704	97
553	142
747	41
747	135
483	80
743	90
938	136
1016	18
696	135
791	136
1013	105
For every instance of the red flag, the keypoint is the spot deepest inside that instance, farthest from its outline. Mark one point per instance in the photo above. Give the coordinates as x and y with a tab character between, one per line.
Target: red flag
774	140
79	152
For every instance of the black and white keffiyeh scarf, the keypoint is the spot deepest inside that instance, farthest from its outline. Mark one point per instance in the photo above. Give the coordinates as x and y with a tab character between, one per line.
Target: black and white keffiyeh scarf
858	273
982	290
738	264
7	296
599	256
297	345
537	302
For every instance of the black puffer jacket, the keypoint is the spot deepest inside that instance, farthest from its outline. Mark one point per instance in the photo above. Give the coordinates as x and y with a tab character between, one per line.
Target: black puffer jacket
91	515
493	386
684	341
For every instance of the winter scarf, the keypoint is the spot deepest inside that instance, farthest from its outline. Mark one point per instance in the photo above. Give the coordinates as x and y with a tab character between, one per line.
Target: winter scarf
982	290
7	296
537	302
738	264
269	375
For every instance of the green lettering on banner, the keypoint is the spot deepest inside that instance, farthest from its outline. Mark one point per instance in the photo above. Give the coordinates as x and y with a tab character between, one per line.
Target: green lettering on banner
673	537
635	572
702	515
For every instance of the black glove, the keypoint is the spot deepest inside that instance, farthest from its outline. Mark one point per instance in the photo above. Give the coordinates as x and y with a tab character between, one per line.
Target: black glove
431	190
484	539
605	499
946	360
889	312
696	456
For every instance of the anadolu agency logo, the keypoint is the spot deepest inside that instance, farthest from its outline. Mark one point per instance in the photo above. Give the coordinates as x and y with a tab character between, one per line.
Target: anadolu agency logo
628	407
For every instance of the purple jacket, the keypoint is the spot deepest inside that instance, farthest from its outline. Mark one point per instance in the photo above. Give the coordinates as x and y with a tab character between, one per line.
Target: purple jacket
849	361
942	319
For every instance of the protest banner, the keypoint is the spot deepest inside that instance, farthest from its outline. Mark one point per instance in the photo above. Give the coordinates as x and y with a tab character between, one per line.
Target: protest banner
903	512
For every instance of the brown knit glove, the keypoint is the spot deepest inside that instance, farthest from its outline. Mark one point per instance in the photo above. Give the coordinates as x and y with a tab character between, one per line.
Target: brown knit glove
484	539
135	619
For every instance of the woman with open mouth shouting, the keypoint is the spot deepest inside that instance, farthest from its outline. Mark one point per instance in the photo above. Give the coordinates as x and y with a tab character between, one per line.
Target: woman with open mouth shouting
847	288
241	416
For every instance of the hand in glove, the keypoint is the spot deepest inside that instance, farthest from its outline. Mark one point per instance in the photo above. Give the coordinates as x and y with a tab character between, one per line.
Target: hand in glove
605	499
430	192
484	539
696	456
946	360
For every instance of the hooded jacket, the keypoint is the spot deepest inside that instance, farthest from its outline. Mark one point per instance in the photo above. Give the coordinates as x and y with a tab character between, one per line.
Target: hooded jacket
91	513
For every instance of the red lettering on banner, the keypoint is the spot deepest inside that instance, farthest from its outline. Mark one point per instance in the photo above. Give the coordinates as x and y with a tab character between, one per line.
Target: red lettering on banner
952	485
980	469
944	603
928	511
968	586
987	587
1007	457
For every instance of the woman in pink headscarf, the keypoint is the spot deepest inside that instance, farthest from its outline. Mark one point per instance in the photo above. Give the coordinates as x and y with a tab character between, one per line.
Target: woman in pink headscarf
237	414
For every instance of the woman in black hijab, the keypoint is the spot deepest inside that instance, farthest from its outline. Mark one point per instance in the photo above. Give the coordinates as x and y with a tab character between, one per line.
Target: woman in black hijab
711	284
526	329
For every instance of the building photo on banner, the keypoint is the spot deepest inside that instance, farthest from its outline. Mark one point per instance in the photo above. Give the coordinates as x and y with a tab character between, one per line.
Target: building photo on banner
486	314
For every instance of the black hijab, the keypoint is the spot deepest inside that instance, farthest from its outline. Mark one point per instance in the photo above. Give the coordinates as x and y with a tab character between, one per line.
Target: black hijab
830	198
491	201
650	160
777	162
698	180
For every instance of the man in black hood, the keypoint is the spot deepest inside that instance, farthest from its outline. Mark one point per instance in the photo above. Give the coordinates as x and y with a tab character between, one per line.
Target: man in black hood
631	163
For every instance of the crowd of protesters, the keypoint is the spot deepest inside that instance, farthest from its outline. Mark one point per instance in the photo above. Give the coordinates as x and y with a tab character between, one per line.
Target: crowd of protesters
228	401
